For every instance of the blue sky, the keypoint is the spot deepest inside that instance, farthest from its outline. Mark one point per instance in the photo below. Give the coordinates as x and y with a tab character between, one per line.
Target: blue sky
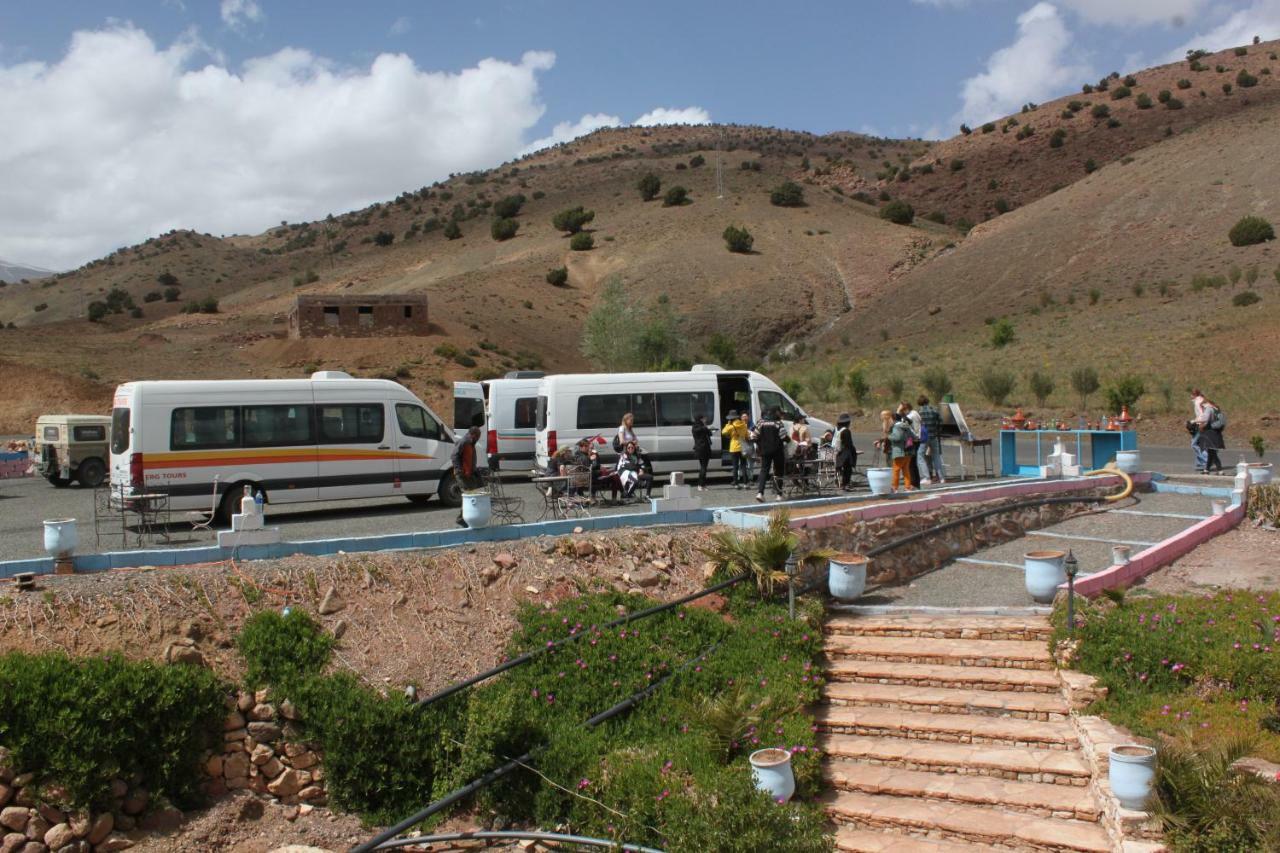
230	115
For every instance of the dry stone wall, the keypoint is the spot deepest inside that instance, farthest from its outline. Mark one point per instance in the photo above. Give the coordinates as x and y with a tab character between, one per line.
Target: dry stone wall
34	821
263	751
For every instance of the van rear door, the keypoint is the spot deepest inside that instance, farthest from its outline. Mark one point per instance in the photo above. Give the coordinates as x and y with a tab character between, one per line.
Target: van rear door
468	406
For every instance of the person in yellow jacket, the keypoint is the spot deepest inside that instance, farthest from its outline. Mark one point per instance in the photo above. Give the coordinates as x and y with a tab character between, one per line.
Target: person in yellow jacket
738	432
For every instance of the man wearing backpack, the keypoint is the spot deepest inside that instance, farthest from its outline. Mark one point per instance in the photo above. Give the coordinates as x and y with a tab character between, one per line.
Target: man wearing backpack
1209	439
930	450
771	444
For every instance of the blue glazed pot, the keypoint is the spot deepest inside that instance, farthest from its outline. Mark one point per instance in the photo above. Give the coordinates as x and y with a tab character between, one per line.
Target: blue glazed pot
847	575
1132	773
477	509
771	769
1044	573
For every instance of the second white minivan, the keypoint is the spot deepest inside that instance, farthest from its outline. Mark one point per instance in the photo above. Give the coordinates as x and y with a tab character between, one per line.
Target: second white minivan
574	406
507	408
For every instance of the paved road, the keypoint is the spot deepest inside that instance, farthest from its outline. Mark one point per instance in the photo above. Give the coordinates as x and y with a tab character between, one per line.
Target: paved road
25	503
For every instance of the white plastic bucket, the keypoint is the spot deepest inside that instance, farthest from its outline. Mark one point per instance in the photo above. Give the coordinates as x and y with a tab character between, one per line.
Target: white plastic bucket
880	480
60	537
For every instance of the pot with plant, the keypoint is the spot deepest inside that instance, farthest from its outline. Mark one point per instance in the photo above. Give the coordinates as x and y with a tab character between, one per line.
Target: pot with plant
1259	472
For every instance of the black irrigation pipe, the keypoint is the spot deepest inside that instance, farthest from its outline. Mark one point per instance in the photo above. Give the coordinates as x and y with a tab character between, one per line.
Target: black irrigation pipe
530	655
515	835
497	773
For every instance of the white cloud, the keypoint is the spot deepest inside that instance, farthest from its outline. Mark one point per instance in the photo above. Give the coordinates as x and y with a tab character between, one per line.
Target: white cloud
566	131
120	139
236	13
1035	67
1140	12
400	26
1260	18
666	115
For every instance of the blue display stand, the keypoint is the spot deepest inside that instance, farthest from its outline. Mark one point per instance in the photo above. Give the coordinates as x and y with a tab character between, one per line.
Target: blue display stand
1103	445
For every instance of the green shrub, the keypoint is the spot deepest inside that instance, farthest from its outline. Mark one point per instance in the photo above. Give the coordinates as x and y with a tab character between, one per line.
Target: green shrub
738	239
1120	92
1084	381
1204	803
898	212
504	229
558	276
1184	83
1173	104
1130	80
96	310
1126	391
572	219
209	305
1002	333
1143	101
1057	138
1001	204
996	385
82	722
1025	132
649	185
171	294
508	207
857	384
384	238
1164	95
675	197
1259	445
152	296
1245	80
1245	298
956	165
936	382
284	649
581	242
1087	88
1100	111
448	351
1094	295
1251	230
696	161
465	360
989	127
452	231
1226	88
1041	385
787	194
896	386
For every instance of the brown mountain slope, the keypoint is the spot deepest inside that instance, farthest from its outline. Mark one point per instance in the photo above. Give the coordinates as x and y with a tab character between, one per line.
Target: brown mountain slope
971	177
1134	236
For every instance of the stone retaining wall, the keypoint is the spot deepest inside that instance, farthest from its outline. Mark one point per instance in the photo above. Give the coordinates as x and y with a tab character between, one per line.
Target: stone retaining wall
31	823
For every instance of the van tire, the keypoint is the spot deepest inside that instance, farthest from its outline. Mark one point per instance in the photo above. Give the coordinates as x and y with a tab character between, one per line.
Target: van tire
91	472
58	482
230	503
450	491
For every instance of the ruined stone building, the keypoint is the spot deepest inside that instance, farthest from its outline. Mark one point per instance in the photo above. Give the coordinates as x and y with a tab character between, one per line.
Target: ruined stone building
359	316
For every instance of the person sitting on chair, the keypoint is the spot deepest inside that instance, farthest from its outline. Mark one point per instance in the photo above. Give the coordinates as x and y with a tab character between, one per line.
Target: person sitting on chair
631	473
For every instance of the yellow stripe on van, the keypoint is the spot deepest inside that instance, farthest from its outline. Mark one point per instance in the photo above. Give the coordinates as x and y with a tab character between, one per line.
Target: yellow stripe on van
269	456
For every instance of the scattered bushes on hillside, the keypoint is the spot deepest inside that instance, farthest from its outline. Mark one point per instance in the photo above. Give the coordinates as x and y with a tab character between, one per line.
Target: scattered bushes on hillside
1184	83
171	294
1125	392
452	231
738	239
1056	138
1164	95
898	212
1090	166
509	206
936	382
42	306
965	129
1120	92
696	161
1130	80
1245	298
1002	333
989	127
82	722
1084	381
504	229
996	385
582	242
384	238
649	185
937	216
1041	385
956	165
1025	132
1251	230
558	276
1245	80
1226	88
167	279
1094	295
787	194
675	197
1143	101
571	220
1001	204
1173	104
1100	111
152	296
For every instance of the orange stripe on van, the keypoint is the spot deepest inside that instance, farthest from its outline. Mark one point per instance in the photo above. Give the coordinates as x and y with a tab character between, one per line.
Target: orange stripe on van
268	456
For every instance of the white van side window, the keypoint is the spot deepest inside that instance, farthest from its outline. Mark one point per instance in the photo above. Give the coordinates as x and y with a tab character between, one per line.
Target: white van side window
605	411
679	409
204	427
359	423
277	426
415	421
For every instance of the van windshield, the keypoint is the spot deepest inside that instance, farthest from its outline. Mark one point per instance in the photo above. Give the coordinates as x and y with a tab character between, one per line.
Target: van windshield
119	430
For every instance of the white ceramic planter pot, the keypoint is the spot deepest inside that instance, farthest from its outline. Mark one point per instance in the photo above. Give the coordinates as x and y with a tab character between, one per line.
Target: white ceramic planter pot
771	769
1119	555
1260	473
1132	773
880	480
847	575
1044	572
477	509
60	537
1129	461
1219	506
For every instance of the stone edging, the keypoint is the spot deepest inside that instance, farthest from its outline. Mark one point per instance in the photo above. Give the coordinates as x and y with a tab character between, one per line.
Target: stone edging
1135	831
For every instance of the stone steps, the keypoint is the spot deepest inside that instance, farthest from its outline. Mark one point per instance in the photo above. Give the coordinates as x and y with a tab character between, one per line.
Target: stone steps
1035	798
942	627
872	841
953	728
1007	654
962	822
935	675
1018	763
1010	704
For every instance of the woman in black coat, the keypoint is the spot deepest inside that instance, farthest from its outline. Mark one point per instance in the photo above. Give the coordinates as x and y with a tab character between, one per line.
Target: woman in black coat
1209	439
847	455
701	448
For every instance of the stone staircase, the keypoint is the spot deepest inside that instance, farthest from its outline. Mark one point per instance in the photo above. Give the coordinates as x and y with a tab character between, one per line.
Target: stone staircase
952	733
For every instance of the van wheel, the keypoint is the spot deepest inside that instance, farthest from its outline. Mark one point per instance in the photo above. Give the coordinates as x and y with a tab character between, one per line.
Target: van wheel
230	503
58	482
450	491
91	473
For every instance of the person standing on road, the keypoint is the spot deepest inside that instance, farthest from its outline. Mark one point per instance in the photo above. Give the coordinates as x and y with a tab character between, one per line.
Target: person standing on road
1210	436
913	444
464	464
701	448
846	453
1197	417
771	443
900	436
930	452
735	429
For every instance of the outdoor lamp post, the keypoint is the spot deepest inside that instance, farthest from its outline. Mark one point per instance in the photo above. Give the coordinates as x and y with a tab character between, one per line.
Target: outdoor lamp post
1071	567
791	586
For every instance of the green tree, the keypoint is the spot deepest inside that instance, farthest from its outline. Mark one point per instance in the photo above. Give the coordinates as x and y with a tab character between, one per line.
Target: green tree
738	239
571	220
658	338
504	229
97	310
558	276
996	385
1002	333
608	328
675	197
936	382
858	385
508	207
1041	385
722	350
1084	381
896	386
167	279
171	294
1125	391
582	242
384	238
649	186
452	231
787	194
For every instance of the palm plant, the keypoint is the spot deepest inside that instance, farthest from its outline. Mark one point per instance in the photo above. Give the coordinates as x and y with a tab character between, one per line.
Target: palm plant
1205	803
763	553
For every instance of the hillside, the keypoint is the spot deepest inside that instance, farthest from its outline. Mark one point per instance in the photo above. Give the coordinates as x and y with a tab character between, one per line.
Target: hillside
11	271
1150	213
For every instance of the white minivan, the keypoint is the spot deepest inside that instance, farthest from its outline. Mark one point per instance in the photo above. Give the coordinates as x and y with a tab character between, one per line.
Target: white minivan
574	406
330	437
507	408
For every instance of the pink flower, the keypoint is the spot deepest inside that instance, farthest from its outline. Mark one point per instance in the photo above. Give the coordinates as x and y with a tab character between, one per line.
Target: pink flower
584	783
